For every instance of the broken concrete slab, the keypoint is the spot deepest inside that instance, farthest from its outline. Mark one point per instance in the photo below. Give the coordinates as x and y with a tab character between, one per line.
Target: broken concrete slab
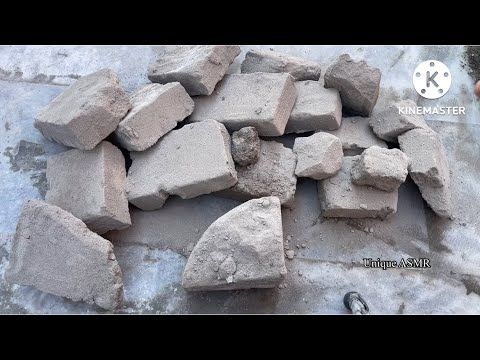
188	162
56	253
156	109
356	136
90	185
197	67
273	174
86	113
390	123
339	197
261	100
385	169
275	62
318	156
439	199
316	108
357	82
243	249
245	146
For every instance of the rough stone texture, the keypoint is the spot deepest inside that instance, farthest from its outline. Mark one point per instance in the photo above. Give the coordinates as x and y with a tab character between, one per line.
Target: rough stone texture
275	62
198	67
245	146
358	83
386	169
156	109
318	156
243	249
316	108
339	197
188	162
428	168
90	185
86	113
56	253
356	136
262	100
273	174
389	124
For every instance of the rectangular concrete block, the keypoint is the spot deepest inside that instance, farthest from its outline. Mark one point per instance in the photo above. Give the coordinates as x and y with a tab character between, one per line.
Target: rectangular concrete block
197	67
261	100
56	253
356	136
86	113
91	185
339	197
187	162
156	109
316	108
276	62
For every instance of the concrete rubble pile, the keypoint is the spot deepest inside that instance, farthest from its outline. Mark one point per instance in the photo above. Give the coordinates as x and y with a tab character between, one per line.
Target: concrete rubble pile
198	130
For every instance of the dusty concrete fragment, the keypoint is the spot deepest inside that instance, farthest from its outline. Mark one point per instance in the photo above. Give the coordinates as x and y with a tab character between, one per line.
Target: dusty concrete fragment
56	253
245	146
188	162
386	169
90	185
318	156
358	83
389	123
198	67
86	113
273	174
275	62
156	109
356	136
242	249
339	197
438	198
261	100
316	108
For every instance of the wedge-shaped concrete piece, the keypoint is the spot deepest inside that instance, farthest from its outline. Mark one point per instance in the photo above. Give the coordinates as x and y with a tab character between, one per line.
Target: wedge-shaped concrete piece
188	162
439	199
275	62
261	100
339	197
273	174
358	83
243	249
56	253
390	123
356	136
198	67
86	113
91	185
156	109
316	108
318	156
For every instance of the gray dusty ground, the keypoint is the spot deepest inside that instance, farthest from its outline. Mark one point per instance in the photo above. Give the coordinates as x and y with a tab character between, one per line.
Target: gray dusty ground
328	259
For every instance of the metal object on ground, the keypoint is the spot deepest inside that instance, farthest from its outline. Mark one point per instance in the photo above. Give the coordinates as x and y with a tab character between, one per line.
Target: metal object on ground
354	302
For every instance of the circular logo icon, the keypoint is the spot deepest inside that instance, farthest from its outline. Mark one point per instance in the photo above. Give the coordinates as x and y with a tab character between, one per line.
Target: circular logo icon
432	79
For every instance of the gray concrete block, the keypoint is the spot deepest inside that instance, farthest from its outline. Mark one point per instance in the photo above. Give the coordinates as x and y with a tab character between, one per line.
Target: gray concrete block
56	253
385	169
90	185
316	108
358	83
86	113
261	100
275	62
243	249
245	146
188	162
339	197
156	109
197	67
318	156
